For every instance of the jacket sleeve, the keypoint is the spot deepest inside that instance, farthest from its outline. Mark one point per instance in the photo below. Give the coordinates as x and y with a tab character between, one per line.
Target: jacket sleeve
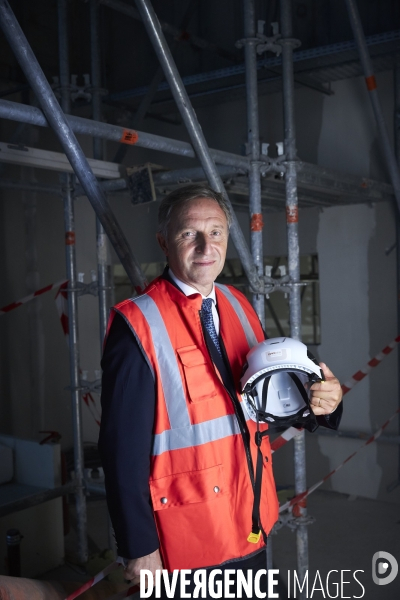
331	421
128	404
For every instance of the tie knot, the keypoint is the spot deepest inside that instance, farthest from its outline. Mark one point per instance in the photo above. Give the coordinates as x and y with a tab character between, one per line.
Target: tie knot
206	305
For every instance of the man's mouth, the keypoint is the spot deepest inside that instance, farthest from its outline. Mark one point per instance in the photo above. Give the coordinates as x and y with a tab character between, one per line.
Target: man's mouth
204	263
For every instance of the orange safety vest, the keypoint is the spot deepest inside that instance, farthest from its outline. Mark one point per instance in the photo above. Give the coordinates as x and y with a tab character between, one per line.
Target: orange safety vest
200	484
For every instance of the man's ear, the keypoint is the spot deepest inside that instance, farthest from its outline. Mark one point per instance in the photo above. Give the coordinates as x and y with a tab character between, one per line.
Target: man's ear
163	243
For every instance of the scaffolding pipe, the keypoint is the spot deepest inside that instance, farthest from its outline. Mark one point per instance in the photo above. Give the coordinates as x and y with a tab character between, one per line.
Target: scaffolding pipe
253	137
70	256
101	238
109	186
103	285
199	143
189	175
389	438
288	43
370	80
38	498
362	190
15	111
69	143
343	183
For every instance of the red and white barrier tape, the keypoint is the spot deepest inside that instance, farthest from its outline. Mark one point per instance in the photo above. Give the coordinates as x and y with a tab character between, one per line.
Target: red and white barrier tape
92	406
304	495
284	438
348	385
290	433
10	307
109	569
86	586
62	308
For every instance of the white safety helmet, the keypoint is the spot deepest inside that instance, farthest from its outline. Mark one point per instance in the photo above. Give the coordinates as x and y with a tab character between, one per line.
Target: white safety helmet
273	383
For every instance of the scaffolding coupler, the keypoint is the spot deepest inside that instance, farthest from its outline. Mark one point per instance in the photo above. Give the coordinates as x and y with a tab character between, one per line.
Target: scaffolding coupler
292	522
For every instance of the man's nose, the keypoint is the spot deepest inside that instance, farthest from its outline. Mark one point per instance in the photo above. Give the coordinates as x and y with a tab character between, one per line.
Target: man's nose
203	245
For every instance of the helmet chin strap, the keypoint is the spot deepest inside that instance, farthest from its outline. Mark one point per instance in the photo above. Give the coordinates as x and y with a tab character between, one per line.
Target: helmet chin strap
261	414
255	534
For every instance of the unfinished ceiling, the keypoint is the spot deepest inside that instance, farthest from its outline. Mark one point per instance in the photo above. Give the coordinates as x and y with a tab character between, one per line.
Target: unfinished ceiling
202	35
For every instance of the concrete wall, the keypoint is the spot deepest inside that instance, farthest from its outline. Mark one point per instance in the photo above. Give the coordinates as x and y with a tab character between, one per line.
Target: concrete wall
345	334
357	279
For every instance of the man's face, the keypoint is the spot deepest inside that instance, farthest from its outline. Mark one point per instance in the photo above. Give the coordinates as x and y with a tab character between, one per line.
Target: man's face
196	243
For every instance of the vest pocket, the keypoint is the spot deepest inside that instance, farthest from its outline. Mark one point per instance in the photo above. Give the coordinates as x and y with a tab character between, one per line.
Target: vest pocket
181	489
193	511
198	372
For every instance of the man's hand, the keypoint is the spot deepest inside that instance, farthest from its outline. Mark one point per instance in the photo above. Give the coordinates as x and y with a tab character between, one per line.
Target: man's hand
152	562
327	395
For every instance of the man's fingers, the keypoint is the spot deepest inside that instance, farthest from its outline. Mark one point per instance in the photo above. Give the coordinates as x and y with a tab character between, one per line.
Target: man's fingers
323	403
320	411
319	398
326	370
322	407
325	388
151	562
333	395
326	395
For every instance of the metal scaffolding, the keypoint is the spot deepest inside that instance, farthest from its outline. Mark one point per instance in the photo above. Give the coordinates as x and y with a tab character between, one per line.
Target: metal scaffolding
372	87
70	257
254	165
292	222
102	249
250	43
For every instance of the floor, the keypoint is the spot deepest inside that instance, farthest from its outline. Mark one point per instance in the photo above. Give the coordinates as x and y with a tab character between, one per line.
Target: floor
345	535
347	532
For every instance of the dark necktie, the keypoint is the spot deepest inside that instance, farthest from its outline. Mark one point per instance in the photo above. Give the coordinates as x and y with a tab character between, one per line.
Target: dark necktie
206	311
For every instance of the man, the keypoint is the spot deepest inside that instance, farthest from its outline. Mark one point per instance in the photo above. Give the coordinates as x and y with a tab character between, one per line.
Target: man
177	452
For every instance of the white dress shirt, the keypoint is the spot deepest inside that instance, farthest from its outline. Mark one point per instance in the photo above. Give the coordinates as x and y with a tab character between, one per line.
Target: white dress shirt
189	290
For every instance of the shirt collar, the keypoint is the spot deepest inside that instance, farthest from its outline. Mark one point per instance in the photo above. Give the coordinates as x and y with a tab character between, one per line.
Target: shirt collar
189	290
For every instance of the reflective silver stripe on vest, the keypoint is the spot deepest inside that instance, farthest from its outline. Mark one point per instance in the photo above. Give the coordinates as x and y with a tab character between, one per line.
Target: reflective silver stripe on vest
195	435
247	328
171	379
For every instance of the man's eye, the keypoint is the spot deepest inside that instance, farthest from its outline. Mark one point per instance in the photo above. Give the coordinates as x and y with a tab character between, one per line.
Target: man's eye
188	234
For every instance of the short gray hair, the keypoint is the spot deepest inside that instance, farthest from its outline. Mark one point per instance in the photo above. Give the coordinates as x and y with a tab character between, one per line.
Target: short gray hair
183	195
